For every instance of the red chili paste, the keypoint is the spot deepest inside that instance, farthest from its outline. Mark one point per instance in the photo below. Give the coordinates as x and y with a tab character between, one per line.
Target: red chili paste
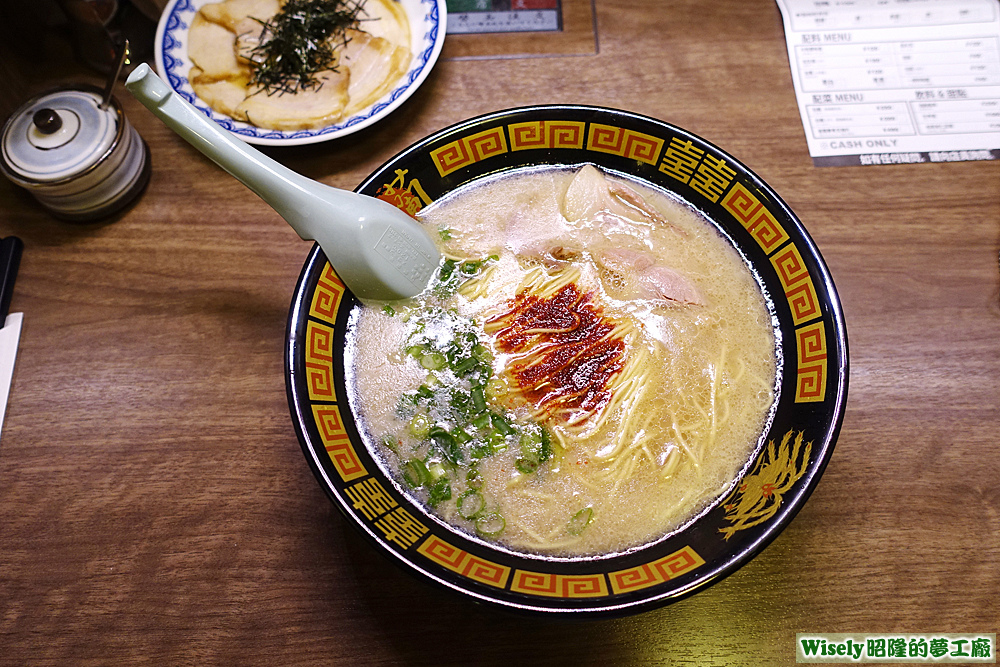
566	357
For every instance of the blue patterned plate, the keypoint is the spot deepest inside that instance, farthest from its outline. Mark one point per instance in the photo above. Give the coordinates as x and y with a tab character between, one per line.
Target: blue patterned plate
427	30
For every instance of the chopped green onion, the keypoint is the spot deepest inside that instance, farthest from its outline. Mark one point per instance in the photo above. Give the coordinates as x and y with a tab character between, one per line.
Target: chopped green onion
580	520
474	479
433	361
531	440
419	426
478	399
415	351
480	450
465	366
497	442
436	471
471	267
526	465
490	525
530	448
460	402
496	389
447	444
406	406
470	504
501	424
388	310
546	451
482	353
444	233
415	473
536	444
482	421
439	492
392	442
447	268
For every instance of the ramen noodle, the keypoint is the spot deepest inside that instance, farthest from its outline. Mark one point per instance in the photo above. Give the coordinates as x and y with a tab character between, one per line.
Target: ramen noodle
593	367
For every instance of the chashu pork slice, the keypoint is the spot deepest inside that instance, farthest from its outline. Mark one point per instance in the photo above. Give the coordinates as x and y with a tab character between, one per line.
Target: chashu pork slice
211	48
247	38
230	13
636	275
223	95
591	196
306	109
386	20
375	64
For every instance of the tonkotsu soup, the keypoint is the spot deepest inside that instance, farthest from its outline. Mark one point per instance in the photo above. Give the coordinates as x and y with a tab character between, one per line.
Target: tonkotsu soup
593	367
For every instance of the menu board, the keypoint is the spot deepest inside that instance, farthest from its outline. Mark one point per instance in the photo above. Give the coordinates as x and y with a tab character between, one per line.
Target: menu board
896	81
491	16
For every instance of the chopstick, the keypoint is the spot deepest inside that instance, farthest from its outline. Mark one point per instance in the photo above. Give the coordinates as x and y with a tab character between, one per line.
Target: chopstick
10	260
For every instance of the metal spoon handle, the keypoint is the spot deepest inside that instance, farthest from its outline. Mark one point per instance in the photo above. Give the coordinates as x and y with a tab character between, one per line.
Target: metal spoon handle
116	71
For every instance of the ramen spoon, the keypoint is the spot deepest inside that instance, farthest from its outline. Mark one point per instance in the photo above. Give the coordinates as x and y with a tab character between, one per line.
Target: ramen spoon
380	252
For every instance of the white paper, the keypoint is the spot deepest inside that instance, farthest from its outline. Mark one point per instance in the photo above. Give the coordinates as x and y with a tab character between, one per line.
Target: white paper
10	334
896	81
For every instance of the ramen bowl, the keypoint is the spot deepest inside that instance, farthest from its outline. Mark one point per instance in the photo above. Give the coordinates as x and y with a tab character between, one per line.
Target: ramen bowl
801	429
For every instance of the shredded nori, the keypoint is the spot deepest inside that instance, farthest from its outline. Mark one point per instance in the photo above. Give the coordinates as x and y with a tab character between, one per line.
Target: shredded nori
301	40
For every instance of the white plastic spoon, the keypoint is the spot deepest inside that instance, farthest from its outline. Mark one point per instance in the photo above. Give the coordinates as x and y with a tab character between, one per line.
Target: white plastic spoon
378	251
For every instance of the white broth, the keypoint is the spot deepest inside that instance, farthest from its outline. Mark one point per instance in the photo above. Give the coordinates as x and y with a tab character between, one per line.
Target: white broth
596	370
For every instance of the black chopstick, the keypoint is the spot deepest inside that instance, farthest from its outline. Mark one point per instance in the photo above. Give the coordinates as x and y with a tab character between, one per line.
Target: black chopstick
10	260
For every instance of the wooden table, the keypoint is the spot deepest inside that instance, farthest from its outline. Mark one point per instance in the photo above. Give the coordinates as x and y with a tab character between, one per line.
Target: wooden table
155	506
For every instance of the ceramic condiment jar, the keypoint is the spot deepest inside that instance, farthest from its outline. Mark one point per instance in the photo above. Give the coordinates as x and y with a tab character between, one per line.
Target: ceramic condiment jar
82	160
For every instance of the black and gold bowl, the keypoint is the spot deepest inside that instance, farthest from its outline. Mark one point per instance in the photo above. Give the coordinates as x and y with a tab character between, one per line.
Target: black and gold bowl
770	489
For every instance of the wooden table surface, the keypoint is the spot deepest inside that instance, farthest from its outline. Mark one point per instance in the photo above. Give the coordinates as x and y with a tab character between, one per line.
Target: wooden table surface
155	506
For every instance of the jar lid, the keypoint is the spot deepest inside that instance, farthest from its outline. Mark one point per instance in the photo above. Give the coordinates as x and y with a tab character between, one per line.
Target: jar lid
59	135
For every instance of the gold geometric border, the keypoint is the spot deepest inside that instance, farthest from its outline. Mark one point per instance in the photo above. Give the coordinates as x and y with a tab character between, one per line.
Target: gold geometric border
319	362
545	584
789	266
757	220
546	134
810	385
337	443
464	563
326	298
559	585
798	285
626	143
803	301
636	578
468	150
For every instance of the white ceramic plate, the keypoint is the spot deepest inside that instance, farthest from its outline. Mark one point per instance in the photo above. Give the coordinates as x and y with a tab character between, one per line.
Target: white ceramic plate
427	29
